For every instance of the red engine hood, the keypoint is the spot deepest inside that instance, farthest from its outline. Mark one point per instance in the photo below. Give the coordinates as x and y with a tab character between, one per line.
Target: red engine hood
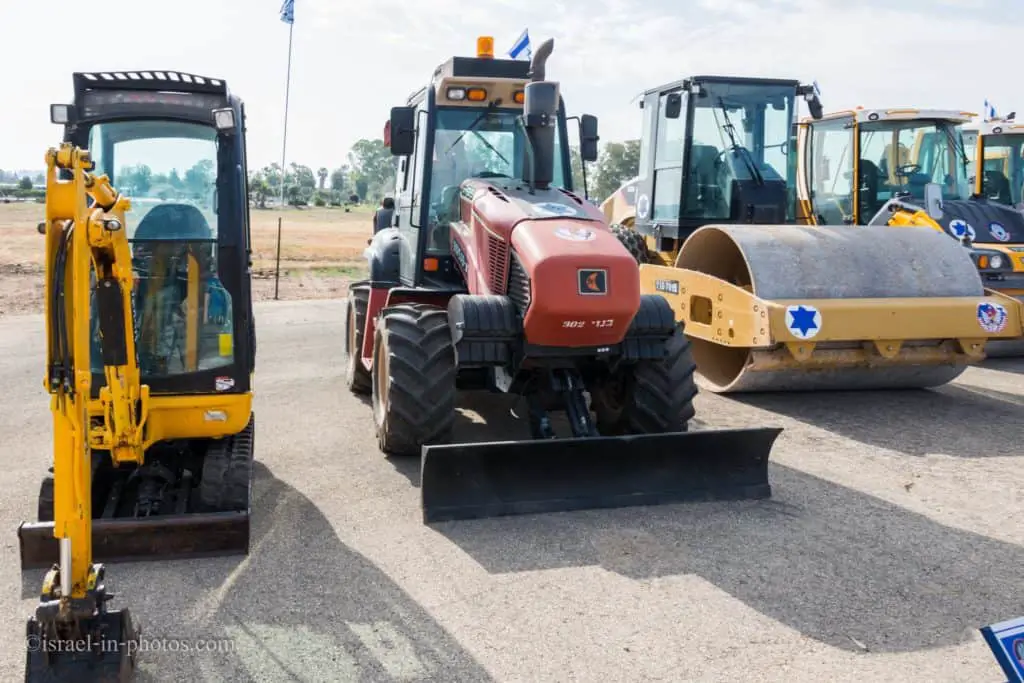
585	286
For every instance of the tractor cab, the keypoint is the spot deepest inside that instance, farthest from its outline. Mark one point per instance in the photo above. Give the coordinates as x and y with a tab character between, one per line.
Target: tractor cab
468	122
854	162
717	149
174	144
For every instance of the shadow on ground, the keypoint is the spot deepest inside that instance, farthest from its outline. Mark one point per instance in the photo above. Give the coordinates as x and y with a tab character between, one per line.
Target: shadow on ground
947	420
301	606
828	561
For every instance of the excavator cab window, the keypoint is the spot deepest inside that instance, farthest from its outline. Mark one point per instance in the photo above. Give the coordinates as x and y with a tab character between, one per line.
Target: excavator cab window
183	312
1003	175
831	171
908	155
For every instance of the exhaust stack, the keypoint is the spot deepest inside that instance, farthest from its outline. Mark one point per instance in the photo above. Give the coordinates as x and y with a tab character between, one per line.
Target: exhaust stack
540	114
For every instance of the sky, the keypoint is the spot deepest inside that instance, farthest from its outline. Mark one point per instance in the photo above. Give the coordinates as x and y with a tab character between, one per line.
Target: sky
352	61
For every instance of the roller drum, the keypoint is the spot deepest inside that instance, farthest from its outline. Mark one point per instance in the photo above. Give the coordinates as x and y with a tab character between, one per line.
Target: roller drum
800	262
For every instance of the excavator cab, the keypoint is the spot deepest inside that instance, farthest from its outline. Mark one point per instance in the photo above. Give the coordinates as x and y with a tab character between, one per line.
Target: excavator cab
147	281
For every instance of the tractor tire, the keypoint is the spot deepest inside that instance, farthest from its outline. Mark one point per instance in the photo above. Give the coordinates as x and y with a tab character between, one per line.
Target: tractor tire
227	472
651	396
45	503
357	377
633	241
413	378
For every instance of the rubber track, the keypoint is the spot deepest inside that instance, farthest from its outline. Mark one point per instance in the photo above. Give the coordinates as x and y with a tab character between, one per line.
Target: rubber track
356	375
421	394
227	471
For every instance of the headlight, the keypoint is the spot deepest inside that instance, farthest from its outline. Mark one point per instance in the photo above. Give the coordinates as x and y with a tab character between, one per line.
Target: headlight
996	261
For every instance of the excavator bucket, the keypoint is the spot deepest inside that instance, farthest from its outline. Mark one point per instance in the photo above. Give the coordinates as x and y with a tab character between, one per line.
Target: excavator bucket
797	308
475	480
141	539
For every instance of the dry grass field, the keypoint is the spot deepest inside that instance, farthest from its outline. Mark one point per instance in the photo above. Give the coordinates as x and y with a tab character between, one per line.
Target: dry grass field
321	252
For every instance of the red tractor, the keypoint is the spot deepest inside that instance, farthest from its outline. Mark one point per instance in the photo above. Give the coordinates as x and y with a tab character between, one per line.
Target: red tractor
497	275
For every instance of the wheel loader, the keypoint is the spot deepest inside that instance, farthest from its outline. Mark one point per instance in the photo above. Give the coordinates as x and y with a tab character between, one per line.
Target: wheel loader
912	169
150	354
499	276
775	298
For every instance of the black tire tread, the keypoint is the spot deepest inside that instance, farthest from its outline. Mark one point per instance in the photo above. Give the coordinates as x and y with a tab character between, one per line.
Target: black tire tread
422	391
658	395
357	377
632	240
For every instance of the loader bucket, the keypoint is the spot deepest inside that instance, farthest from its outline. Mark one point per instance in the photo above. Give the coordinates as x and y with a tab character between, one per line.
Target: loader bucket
475	480
140	539
799	308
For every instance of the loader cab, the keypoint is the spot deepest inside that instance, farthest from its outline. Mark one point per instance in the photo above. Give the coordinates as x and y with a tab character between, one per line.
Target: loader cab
467	123
717	149
999	169
855	161
174	144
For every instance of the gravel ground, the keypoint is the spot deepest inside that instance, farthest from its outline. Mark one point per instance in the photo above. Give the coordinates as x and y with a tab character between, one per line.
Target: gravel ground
887	542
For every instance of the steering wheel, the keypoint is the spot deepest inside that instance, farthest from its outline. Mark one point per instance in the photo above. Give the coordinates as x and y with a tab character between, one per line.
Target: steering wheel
908	170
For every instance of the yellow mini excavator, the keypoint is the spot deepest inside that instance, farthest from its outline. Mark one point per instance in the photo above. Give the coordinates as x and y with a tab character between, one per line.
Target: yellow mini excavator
150	354
781	294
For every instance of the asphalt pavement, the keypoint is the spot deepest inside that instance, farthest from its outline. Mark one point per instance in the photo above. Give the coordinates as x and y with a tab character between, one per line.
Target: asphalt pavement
893	533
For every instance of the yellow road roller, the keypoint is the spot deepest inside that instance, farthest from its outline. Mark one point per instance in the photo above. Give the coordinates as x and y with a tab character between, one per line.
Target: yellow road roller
773	298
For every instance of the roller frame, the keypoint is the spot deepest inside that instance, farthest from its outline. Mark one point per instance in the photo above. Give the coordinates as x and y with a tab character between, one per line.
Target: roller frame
739	319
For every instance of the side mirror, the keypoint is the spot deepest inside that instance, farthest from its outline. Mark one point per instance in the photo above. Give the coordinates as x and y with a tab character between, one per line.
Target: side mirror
588	137
815	107
933	200
400	131
673	106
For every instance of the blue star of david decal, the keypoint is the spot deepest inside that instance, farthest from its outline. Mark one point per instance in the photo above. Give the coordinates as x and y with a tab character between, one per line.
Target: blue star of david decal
803	320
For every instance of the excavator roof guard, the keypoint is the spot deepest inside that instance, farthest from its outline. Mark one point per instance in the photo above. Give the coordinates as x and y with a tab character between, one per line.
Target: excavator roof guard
146	94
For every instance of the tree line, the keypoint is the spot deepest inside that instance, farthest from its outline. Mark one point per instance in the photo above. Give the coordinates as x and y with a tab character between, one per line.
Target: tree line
367	175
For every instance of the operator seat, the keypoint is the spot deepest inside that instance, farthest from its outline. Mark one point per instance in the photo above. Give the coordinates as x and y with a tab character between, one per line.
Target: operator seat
701	191
997	186
161	244
870	177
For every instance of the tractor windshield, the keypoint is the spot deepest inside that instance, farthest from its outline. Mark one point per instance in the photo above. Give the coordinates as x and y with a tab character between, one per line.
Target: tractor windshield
1003	168
899	158
740	132
168	170
477	143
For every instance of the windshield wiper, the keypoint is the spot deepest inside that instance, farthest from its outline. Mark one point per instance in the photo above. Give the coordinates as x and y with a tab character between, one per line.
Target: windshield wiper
748	158
476	122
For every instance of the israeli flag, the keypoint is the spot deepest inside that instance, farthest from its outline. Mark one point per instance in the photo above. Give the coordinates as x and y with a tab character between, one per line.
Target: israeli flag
288	11
990	110
522	46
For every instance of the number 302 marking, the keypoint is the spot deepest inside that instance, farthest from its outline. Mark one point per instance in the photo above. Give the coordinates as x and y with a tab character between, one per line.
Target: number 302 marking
578	324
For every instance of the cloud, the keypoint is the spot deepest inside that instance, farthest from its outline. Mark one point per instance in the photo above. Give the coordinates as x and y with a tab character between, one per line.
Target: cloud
353	61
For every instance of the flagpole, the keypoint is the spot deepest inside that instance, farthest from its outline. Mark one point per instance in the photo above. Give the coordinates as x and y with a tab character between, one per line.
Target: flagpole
287	88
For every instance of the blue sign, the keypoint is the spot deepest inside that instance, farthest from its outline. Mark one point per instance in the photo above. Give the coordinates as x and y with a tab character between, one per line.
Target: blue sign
1006	639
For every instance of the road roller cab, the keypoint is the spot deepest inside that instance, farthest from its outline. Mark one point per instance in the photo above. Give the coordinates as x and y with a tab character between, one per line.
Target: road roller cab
713	149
